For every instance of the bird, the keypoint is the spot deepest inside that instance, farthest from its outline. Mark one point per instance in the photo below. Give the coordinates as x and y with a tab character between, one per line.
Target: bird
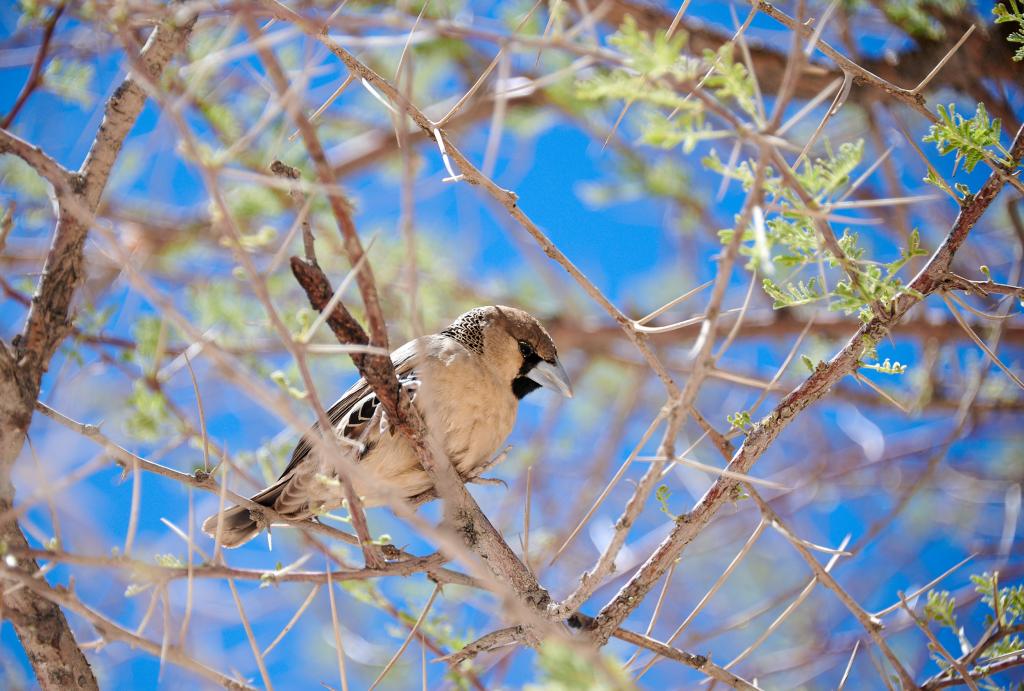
466	381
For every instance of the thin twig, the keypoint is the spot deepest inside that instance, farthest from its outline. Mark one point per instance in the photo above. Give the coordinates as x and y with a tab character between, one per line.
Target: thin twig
35	74
408	639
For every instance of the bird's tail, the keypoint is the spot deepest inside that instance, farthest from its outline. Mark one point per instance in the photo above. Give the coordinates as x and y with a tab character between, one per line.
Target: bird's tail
237	524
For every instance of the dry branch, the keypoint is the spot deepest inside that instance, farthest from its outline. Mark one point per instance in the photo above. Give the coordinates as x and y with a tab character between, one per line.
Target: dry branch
46	167
524	608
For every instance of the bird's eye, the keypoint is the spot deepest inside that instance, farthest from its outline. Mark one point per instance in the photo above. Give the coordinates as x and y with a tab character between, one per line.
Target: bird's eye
525	349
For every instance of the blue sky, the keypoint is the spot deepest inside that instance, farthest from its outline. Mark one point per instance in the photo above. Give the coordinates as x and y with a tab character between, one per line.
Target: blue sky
632	252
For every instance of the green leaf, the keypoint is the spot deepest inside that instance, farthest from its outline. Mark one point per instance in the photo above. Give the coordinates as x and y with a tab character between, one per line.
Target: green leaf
826	175
970	139
687	129
730	79
655	57
886	367
661	495
169	561
739	420
914	249
281	379
792	295
939	608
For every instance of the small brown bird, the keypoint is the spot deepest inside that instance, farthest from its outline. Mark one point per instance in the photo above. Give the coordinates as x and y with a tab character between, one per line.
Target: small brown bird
466	382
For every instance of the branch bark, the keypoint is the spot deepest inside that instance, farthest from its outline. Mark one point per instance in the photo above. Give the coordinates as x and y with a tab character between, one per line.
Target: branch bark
57	660
701	663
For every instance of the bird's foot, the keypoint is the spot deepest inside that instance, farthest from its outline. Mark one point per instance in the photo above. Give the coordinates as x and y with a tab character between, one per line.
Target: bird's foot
538	598
374	557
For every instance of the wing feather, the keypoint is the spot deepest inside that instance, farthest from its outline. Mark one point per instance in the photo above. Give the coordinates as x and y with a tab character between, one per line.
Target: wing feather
351	414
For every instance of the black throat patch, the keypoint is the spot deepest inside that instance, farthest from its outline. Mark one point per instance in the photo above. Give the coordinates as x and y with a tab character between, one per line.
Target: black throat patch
522	385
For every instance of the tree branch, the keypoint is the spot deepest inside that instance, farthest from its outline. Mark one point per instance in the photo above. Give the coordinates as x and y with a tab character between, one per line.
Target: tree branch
985	54
35	74
112	631
41	626
825	376
49	169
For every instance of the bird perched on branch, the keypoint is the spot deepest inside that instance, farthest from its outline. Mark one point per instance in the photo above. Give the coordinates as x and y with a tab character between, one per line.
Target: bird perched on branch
466	382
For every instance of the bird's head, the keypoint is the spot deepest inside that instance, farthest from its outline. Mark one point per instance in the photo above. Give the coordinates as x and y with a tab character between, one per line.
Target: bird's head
515	345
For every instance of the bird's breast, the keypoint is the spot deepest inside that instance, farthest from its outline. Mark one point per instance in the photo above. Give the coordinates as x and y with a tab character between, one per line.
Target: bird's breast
464	407
471	412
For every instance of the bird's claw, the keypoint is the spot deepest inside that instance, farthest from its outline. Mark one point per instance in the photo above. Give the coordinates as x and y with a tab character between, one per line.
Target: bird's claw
539	598
374	557
390	552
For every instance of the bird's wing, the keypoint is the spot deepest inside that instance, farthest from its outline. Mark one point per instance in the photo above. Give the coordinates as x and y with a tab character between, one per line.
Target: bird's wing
352	414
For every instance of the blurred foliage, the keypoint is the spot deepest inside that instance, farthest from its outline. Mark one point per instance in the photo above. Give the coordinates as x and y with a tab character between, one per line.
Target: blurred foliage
647	78
918	17
565	669
1012	14
71	80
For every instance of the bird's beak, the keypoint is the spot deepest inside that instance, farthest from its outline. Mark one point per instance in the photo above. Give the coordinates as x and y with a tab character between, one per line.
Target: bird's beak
551	376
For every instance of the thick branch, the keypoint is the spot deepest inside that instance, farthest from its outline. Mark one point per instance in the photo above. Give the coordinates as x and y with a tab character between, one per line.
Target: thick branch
41	626
980	672
161	574
113	632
